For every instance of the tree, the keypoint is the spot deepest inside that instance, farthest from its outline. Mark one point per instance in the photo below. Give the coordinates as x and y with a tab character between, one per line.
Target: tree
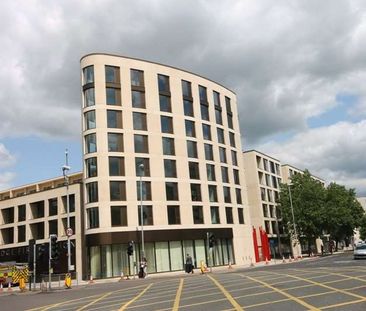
363	228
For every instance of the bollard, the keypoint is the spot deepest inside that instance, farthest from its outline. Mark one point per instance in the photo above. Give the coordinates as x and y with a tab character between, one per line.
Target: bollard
68	281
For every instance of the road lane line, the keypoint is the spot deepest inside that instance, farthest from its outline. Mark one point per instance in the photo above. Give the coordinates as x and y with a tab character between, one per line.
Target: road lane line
299	301
226	293
177	297
94	301
124	307
342	304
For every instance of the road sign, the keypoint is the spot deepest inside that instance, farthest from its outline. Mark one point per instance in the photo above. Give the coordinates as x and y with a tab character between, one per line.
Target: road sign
69	232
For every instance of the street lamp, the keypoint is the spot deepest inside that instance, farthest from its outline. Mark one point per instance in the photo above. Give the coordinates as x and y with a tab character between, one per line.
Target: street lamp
141	167
65	170
293	215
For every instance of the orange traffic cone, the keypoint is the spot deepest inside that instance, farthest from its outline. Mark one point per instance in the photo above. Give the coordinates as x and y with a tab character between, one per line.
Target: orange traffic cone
91	280
283	259
1	287
230	267
9	287
289	258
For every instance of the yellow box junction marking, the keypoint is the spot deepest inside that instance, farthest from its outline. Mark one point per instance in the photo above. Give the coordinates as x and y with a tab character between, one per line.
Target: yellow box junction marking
94	301
124	307
177	297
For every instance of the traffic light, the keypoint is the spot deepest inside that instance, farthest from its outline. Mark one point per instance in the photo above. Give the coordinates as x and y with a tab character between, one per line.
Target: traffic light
130	248
41	249
53	247
211	241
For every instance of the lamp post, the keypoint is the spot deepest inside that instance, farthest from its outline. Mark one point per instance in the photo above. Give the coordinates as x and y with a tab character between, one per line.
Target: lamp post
141	167
65	170
278	236
293	215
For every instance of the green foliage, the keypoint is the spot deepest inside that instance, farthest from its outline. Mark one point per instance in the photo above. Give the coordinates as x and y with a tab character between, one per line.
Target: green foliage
363	228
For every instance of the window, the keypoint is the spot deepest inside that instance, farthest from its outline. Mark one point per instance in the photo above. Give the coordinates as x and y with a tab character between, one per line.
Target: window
171	189
265	164
212	193
173	215
88	74
209	152
90	143
91	167
21	233
194	171
192	149
234	158
89	120
139	121
190	128
236	177
163	82
115	142
263	194
168	146
22	212
112	74
218	115
116	166
165	104
215	215
188	108
238	196
267	225
118	216
203	94
114	119
89	98
137	77
146	190
216	97
270	195
186	89
147	215
170	168
265	210
204	112
113	96
91	192
166	124
138	99
117	190
225	174
141	144
210	169
227	195
93	217
220	136
232	139
222	152
146	167
274	182
197	214
241	215
196	192
229	215
206	129
229	112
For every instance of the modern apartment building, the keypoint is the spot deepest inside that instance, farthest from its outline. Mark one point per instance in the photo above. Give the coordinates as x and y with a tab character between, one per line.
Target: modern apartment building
288	171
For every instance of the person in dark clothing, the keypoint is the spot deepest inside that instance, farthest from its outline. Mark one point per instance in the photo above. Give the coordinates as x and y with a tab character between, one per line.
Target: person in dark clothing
189	264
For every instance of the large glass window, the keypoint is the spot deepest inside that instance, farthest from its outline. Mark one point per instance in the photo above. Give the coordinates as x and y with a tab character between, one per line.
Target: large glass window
112	74
188	108
21	232
141	143
234	158
119	216
210	168
238	196
168	146
190	128
114	119
91	167
194	171
241	215
162	256
225	174
227	195
171	189
236	177
220	136
113	96
170	168
147	215
93	217
232	139
222	152
91	192
196	192
166	124
212	193
52	207
216	97
164	102
115	142
176	258
22	212
90	120
139	121
192	149
146	190
116	166
89	98
138	99
117	190
186	88
215	215
163	82
204	112
229	215
209	152
203	94
137	77
173	215
88	74
90	143
146	166
218	115
206	129
197	214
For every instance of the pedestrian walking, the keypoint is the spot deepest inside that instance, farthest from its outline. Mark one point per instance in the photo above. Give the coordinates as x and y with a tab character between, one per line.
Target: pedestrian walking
189	264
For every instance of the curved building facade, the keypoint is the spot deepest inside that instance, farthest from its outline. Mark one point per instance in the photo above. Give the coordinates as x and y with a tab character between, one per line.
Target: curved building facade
168	141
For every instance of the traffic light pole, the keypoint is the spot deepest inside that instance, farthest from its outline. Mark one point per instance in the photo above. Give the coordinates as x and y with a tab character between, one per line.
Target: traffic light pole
65	170
49	263
34	265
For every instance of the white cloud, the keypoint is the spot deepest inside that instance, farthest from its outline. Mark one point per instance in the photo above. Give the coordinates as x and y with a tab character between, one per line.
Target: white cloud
6	180
6	158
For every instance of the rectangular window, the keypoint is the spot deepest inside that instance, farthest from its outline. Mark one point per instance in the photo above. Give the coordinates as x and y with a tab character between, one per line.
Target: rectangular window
241	216
227	195
230	121
194	171
142	167
204	112
225	174
203	94
137	78
170	168
232	139
147	215
234	158
112	74
215	215
192	149
190	128
238	196
186	89
265	210
210	169
229	215
164	102
212	193
53	227
222	152
188	108
114	119
116	166
197	214
146	190
209	152
90	143
236	177
220	136
115	142
88	74
89	97
171	189
119	216
89	120
196	192
113	96
139	121
166	124
173	215
168	146
21	233
141	143
91	167
163	82
218	115
206	129
263	194
21	213
117	190
93	217
265	164
216	97
91	192
138	99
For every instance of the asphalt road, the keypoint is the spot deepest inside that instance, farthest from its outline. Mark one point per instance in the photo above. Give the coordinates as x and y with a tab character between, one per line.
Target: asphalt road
335	282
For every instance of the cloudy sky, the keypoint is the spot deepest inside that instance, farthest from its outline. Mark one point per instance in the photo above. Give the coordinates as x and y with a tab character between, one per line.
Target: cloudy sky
298	68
